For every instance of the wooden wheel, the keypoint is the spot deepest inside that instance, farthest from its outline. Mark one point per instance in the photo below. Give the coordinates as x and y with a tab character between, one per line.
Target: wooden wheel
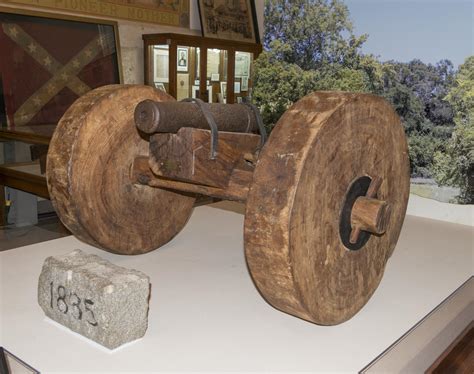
324	149
88	175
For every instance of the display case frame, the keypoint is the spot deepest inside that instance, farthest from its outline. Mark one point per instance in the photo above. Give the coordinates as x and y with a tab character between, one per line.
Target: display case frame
174	41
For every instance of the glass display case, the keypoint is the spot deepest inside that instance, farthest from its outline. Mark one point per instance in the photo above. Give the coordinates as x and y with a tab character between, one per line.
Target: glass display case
214	70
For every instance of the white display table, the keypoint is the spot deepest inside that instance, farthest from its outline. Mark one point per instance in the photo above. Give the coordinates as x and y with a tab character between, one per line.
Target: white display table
206	314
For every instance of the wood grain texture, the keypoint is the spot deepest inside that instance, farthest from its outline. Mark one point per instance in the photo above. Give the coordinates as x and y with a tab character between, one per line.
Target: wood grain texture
185	156
292	244
88	175
237	189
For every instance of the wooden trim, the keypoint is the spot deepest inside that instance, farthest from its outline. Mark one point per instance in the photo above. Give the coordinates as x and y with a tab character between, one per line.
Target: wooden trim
27	182
202	72
3	218
172	68
29	138
200	41
230	76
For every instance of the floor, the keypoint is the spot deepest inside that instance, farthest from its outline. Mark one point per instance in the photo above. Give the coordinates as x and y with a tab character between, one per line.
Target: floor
48	228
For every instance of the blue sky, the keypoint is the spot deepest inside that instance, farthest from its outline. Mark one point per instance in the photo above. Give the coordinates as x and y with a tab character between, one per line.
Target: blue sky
402	30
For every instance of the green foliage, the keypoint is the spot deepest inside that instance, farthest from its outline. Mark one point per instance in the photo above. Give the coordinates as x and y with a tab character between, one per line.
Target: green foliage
310	33
455	167
310	46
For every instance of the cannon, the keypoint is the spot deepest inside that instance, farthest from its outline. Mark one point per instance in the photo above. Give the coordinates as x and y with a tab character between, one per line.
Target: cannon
325	194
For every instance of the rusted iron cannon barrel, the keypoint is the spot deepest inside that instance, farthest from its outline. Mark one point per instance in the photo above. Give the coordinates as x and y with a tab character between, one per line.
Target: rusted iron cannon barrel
169	116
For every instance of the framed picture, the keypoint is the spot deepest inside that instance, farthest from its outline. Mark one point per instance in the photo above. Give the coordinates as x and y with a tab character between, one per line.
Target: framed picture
236	87
42	77
182	64
161	64
230	20
224	89
182	91
242	64
215	77
160	86
213	61
245	84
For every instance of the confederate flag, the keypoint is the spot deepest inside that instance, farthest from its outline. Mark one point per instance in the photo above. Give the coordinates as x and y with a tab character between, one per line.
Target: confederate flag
46	64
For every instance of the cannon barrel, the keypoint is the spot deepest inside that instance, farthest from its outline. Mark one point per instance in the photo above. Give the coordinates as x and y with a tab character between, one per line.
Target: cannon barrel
169	116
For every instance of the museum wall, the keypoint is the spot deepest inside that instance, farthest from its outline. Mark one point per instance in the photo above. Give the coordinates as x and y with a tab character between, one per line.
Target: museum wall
130	36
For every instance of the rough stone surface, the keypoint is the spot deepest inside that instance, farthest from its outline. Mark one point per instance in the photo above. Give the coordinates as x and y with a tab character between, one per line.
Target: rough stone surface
95	298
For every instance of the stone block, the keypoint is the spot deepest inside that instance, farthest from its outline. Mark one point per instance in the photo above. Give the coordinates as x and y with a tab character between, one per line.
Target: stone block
95	298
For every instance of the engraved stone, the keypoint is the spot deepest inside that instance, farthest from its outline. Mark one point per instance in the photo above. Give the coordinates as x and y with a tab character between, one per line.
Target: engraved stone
95	298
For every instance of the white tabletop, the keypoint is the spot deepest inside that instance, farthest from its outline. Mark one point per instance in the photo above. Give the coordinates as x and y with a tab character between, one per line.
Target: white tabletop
206	314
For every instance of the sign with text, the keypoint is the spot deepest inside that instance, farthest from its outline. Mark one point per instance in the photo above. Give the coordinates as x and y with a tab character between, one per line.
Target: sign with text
167	12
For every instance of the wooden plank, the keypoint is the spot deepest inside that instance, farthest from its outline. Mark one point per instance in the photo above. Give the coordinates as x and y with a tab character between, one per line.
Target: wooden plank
24	181
185	156
237	190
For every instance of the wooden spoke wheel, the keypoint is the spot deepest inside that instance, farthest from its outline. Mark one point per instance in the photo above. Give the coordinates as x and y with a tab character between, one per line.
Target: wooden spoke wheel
329	153
88	175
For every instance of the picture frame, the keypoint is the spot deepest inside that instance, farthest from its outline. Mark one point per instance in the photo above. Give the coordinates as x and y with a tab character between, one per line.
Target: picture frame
182	59
215	77
213	61
182	90
86	55
236	20
236	87
245	84
161	64
224	90
242	64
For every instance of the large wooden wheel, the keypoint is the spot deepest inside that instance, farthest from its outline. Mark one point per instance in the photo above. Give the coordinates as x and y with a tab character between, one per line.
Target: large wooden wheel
88	175
324	149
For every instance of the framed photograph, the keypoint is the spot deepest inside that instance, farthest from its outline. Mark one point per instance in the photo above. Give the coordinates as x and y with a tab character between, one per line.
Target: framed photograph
160	86
213	61
242	64
182	64
47	76
224	89
230	20
161	64
245	84
237	87
215	77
